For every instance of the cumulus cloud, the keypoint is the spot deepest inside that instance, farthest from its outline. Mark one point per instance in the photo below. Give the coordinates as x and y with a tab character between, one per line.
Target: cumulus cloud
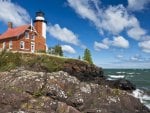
134	58
136	33
63	34
145	46
13	12
119	41
68	49
115	14
98	46
137	5
85	10
114	19
119	56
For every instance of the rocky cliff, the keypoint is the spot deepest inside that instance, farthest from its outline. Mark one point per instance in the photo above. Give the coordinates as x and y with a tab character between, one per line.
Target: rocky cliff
37	83
24	91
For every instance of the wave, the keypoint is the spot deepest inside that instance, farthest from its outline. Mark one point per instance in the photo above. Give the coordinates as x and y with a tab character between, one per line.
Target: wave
110	79
116	76
120	72
132	73
144	98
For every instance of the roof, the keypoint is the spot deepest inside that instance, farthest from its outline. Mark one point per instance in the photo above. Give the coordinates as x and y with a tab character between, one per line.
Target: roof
12	32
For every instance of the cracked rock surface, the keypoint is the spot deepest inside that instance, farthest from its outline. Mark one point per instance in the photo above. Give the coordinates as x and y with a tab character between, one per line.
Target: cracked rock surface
24	91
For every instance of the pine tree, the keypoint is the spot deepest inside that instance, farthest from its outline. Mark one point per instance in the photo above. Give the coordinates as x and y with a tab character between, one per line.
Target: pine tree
79	57
51	50
87	56
58	50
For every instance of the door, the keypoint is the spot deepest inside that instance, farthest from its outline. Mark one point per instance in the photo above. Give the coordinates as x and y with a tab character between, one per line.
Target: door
32	47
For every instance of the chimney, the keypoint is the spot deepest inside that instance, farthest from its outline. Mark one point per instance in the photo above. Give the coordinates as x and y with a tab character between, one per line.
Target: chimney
10	25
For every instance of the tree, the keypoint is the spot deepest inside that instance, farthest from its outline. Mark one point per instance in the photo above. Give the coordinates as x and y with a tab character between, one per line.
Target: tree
87	56
79	57
58	50
51	50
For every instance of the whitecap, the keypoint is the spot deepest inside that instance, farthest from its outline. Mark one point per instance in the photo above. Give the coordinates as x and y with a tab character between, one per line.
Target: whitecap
146	97
120	72
110	79
142	97
116	76
138	94
132	73
148	106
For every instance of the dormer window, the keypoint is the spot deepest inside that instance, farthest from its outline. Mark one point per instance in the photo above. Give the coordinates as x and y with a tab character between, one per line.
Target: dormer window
32	37
27	35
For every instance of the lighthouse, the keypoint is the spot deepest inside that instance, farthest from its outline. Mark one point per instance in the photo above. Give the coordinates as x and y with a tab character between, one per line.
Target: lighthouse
40	24
26	38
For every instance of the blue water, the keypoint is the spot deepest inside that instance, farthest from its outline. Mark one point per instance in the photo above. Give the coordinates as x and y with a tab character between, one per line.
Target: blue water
139	77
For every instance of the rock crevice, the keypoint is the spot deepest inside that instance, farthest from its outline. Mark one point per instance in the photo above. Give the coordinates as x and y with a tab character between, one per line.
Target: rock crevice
60	92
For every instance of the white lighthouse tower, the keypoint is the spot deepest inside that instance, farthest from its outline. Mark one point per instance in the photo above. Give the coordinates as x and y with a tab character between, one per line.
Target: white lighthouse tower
40	24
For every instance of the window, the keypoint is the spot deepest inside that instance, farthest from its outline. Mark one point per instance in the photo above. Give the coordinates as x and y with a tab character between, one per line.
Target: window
22	45
4	45
10	44
32	37
27	35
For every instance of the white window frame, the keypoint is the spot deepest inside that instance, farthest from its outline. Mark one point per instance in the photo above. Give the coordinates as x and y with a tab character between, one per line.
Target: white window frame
22	45
32	44
27	35
10	44
32	37
4	45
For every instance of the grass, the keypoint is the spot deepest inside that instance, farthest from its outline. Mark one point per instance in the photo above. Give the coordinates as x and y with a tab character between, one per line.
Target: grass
116	92
35	62
9	61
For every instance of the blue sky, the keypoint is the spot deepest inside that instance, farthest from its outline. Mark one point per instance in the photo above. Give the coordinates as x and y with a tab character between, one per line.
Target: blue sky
117	32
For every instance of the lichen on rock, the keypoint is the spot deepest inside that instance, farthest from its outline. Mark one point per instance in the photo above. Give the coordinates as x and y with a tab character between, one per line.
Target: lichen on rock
25	91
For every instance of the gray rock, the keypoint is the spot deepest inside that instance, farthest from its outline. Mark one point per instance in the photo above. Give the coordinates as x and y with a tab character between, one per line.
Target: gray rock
24	91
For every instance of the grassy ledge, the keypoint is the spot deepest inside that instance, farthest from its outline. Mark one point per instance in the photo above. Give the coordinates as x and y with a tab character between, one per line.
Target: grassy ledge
37	62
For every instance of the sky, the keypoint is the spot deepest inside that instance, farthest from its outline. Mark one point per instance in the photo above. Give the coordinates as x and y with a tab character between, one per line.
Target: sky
117	32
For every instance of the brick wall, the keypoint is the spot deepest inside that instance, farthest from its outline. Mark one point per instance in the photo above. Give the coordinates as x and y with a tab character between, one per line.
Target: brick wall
38	40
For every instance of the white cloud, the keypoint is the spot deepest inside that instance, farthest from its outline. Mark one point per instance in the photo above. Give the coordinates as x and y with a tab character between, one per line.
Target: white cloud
63	34
119	56
98	46
134	58
114	19
145	45
136	33
145	38
84	9
14	13
68	49
137	5
106	41
120	42
112	15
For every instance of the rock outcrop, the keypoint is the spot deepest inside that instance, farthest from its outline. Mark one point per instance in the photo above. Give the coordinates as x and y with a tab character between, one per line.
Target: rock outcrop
24	91
83	70
122	84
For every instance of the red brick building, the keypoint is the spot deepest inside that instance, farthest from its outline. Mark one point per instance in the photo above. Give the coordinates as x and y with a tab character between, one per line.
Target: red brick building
26	38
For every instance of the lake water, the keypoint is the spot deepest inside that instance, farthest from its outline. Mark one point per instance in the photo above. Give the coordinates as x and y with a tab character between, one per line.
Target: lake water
139	77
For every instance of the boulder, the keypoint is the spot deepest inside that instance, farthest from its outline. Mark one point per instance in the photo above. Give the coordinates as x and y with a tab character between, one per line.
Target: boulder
83	71
59	92
124	84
